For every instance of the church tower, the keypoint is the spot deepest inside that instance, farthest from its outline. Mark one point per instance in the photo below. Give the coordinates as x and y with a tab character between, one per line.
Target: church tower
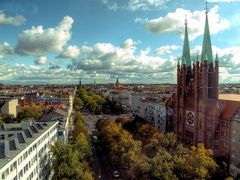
117	84
197	91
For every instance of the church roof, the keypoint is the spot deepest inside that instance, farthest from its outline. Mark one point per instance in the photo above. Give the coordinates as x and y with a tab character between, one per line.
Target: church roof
229	109
231	97
186	50
206	46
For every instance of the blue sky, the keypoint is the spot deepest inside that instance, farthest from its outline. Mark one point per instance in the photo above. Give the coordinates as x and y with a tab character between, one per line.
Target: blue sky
138	41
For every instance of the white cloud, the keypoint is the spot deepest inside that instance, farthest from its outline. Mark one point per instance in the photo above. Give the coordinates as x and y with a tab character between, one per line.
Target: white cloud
129	43
229	62
111	5
135	5
37	40
16	20
174	22
141	20
123	62
70	52
166	49
5	49
145	4
41	60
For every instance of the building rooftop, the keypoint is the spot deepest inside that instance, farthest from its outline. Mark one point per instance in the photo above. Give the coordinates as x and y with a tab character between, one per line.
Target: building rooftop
230	97
14	138
59	115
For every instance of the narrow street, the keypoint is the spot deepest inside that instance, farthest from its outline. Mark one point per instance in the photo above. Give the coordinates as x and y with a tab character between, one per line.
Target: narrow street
99	162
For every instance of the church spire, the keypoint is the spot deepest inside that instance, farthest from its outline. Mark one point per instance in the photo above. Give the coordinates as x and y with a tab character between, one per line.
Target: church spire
117	82
206	46
186	50
80	81
216	59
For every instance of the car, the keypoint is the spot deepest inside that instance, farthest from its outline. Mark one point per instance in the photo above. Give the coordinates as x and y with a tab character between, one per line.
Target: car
95	139
116	174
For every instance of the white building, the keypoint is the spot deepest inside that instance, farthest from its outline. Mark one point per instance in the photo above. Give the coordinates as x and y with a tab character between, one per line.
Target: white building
153	112
136	100
9	107
24	150
123	97
64	123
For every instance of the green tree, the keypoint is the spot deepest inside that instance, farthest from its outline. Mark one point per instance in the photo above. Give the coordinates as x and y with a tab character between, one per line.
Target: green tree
195	163
31	111
78	125
65	162
81	144
123	149
159	167
78	104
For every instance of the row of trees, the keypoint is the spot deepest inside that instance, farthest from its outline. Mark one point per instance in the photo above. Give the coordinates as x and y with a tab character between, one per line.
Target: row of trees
70	161
95	103
30	111
88	99
119	143
153	155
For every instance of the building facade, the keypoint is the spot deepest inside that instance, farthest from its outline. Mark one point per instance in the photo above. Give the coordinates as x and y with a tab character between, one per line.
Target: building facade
24	150
9	107
235	145
197	92
201	114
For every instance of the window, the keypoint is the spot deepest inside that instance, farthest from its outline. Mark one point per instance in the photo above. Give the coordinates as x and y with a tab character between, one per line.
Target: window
3	176
6	172
234	123
233	139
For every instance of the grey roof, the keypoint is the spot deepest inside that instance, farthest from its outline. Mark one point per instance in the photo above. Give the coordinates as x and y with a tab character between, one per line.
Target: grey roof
56	115
16	137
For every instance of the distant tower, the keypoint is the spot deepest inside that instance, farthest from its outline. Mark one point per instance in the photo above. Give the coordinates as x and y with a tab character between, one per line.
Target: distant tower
94	82
80	83
117	83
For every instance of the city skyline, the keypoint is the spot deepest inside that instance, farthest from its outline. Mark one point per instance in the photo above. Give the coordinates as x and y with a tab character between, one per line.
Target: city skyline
137	41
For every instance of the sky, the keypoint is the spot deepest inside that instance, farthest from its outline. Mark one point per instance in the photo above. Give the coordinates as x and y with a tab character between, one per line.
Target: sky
138	41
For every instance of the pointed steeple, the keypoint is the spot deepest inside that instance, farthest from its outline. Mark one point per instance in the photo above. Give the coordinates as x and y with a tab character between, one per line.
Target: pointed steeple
117	82
216	59
80	81
186	50
206	46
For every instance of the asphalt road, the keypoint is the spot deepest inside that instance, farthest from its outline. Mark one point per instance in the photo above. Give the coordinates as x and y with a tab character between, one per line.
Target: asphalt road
99	162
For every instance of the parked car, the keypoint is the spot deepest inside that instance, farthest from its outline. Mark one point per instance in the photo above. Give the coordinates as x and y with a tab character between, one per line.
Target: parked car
95	139
116	174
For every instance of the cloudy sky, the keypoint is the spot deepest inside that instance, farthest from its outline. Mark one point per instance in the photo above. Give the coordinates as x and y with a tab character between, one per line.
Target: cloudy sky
139	41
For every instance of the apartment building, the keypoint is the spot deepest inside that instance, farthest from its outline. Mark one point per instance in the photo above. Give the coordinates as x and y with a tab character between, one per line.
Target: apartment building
24	150
64	123
9	106
235	145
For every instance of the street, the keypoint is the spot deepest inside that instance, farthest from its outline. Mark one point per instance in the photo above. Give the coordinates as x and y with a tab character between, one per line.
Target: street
100	164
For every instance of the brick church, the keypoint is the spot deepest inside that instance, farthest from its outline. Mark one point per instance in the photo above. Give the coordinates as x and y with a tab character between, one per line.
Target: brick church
202	114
